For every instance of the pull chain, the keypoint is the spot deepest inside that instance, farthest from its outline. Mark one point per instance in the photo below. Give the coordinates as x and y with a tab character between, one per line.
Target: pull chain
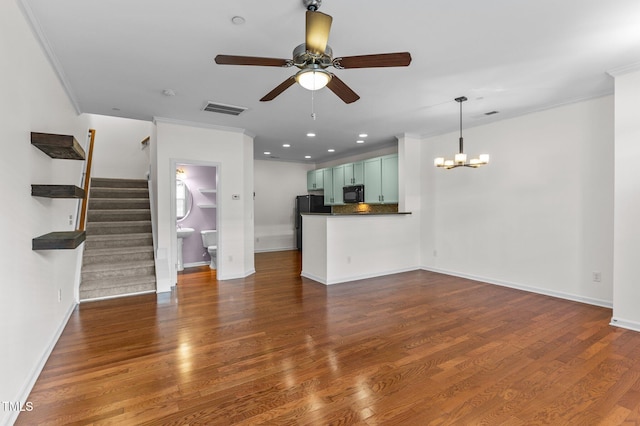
313	113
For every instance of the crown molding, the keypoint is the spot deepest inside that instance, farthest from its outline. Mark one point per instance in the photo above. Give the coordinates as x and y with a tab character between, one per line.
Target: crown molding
625	69
39	35
203	125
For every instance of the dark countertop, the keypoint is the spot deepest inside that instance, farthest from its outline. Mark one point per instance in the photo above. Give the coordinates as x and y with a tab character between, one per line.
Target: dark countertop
357	214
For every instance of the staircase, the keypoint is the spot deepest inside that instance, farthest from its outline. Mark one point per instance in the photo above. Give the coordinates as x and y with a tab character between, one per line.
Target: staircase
118	253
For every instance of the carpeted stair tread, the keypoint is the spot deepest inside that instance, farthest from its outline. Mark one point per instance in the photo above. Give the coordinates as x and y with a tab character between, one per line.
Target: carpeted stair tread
114	256
115	224
124	282
119	267
111	237
118	183
118	203
118	253
119	193
116	292
114	250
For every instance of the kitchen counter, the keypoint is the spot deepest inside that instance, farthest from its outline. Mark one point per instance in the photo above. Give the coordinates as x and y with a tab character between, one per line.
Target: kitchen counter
343	247
357	214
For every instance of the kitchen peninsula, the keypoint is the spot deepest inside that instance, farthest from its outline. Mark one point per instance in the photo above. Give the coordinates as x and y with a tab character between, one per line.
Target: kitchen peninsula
345	247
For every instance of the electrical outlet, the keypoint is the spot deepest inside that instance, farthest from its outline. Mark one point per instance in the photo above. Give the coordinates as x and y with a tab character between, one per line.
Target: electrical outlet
257	239
59	295
348	259
70	219
596	276
435	253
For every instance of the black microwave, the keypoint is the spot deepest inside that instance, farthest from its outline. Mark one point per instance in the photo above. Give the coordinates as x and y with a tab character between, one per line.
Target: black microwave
353	194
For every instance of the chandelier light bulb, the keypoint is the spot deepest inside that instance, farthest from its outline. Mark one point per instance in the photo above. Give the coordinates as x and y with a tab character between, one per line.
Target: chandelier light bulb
460	159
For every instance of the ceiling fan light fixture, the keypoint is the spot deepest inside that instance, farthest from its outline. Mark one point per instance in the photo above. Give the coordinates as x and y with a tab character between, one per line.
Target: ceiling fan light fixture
313	78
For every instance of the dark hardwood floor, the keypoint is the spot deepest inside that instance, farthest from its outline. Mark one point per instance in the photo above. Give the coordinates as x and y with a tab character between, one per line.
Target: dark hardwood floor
415	348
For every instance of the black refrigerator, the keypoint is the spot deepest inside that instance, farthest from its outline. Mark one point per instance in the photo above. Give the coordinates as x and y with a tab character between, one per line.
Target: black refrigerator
308	204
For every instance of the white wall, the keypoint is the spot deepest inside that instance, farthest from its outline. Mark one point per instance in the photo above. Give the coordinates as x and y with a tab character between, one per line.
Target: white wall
33	99
540	216
626	290
276	185
233	152
117	151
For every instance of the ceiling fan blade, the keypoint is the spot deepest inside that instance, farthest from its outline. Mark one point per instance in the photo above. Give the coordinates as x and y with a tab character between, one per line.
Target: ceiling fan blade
401	59
252	60
281	88
343	91
317	32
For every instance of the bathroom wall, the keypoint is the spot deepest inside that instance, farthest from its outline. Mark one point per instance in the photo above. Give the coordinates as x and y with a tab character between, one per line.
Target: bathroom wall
199	179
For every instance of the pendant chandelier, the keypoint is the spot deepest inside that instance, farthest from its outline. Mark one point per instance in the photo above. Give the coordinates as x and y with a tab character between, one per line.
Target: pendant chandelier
460	159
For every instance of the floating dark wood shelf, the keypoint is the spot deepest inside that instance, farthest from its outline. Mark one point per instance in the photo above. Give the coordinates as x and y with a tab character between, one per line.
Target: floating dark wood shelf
57	191
58	240
58	146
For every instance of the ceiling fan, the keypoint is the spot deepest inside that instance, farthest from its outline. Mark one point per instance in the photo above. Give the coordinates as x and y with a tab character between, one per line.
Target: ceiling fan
314	57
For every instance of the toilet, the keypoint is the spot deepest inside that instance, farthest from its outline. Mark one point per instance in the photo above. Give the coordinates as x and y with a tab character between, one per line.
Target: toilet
210	242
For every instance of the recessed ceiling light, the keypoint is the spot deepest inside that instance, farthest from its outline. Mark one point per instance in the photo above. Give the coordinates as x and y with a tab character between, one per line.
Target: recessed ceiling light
311	135
286	145
238	20
331	150
363	135
360	141
267	153
307	156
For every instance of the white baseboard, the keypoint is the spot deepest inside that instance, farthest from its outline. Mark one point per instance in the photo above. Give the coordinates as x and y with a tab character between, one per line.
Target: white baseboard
265	250
195	264
236	276
538	290
23	395
622	323
355	277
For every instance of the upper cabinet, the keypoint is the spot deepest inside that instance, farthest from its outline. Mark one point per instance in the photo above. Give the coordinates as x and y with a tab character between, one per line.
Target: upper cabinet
328	182
315	179
378	175
338	183
381	180
354	173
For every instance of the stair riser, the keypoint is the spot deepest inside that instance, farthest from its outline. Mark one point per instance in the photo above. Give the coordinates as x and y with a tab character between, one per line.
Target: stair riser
111	259
134	242
121	204
94	229
116	291
118	273
118	183
119	282
118	193
118	216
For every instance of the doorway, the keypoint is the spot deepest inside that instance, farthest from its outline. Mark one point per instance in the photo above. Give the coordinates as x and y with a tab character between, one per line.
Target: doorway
195	213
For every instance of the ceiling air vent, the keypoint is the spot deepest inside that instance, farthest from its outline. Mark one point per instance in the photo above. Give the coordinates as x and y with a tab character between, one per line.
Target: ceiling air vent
223	109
